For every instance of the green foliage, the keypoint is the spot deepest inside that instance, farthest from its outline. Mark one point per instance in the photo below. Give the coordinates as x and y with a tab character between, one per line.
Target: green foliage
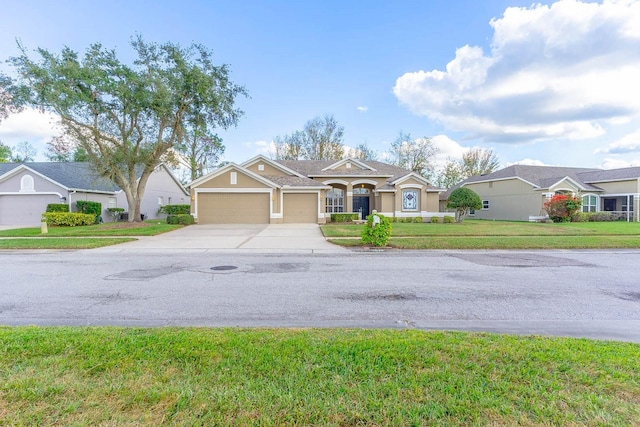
448	219
435	219
417	219
377	235
89	207
128	117
562	207
183	219
68	219
115	210
175	209
57	207
463	200
344	217
5	153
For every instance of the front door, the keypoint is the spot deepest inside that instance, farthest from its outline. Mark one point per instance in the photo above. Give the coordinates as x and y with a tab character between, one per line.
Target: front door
361	204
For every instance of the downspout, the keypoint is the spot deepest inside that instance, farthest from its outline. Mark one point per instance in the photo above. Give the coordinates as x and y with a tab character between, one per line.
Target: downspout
73	192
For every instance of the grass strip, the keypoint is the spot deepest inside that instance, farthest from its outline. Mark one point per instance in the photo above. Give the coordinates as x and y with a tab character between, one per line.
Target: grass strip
493	228
119	376
62	243
506	242
147	228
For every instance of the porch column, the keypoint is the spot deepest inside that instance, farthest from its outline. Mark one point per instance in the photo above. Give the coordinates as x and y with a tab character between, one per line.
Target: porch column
349	198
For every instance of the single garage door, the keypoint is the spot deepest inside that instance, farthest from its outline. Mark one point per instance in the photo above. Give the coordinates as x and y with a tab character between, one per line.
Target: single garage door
24	209
300	208
233	208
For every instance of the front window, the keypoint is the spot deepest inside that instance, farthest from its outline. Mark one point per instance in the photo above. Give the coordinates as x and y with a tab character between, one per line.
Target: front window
361	191
485	205
335	200
410	200
589	203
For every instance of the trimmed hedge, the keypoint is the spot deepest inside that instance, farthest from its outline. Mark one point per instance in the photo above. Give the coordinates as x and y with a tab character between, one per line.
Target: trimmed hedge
68	219
57	207
180	219
89	207
175	209
344	217
435	219
448	219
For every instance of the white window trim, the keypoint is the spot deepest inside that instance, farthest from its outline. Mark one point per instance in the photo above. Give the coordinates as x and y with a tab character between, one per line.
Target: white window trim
234	178
487	203
417	194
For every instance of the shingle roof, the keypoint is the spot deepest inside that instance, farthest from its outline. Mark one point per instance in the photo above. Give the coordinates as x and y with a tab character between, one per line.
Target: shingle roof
610	174
75	175
314	168
293	181
540	176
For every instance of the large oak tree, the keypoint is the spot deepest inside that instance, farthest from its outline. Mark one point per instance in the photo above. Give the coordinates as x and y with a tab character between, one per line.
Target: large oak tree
127	117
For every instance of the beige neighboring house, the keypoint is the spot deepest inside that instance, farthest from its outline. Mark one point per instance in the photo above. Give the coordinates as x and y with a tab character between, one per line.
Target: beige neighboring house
518	192
266	191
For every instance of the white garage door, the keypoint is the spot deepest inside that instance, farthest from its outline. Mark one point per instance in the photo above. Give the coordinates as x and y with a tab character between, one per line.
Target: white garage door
233	208
300	208
24	209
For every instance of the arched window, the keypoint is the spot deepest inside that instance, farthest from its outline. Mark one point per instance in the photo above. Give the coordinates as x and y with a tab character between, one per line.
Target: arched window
334	200
26	183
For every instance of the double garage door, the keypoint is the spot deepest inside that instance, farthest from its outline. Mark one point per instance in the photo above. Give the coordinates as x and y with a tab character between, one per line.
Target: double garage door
24	209
253	208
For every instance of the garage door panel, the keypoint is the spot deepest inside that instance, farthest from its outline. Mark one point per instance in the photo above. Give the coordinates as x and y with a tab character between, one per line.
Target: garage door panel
300	208
233	208
24	209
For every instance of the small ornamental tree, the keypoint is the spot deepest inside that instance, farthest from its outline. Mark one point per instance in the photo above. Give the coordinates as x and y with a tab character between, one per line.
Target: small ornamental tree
463	200
562	207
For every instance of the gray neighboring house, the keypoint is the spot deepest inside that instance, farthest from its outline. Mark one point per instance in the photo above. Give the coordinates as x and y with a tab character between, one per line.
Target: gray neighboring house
27	188
518	192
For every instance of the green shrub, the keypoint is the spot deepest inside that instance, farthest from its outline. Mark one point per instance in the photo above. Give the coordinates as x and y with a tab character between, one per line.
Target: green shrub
417	219
379	234
448	219
57	207
89	207
184	219
463	199
393	219
344	217
68	219
435	219
175	209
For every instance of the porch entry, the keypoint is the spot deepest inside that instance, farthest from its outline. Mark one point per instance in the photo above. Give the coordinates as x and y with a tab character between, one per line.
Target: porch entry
361	204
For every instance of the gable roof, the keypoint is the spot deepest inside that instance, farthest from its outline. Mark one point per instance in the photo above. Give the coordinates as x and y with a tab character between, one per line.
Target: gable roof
229	166
275	164
319	168
339	163
541	177
70	175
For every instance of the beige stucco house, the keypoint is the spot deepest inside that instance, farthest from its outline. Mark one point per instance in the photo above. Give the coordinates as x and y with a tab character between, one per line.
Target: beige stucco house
262	190
518	192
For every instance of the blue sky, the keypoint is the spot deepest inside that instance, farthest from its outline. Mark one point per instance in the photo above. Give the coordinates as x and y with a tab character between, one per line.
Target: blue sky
553	83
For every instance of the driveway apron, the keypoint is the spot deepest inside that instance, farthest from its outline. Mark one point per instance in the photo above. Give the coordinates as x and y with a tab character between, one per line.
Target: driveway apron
249	238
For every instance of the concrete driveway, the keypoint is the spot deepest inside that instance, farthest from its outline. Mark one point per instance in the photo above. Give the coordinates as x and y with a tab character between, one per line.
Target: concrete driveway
258	238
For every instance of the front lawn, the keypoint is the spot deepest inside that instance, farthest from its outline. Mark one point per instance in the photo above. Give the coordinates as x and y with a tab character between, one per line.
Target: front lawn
145	228
479	234
149	377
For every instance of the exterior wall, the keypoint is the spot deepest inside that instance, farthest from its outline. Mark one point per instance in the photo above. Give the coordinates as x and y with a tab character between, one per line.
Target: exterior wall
433	202
224	181
268	169
387	203
40	185
103	199
619	187
510	199
159	185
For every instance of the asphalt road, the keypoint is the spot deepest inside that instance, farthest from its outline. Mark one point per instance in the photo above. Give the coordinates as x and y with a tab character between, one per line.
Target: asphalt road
594	294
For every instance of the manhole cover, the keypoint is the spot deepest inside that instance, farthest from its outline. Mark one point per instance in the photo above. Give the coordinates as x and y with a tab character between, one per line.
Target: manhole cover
224	267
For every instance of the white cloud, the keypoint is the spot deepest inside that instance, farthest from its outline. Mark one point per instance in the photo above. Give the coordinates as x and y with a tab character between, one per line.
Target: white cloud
627	144
448	149
568	70
27	125
363	109
528	162
617	163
